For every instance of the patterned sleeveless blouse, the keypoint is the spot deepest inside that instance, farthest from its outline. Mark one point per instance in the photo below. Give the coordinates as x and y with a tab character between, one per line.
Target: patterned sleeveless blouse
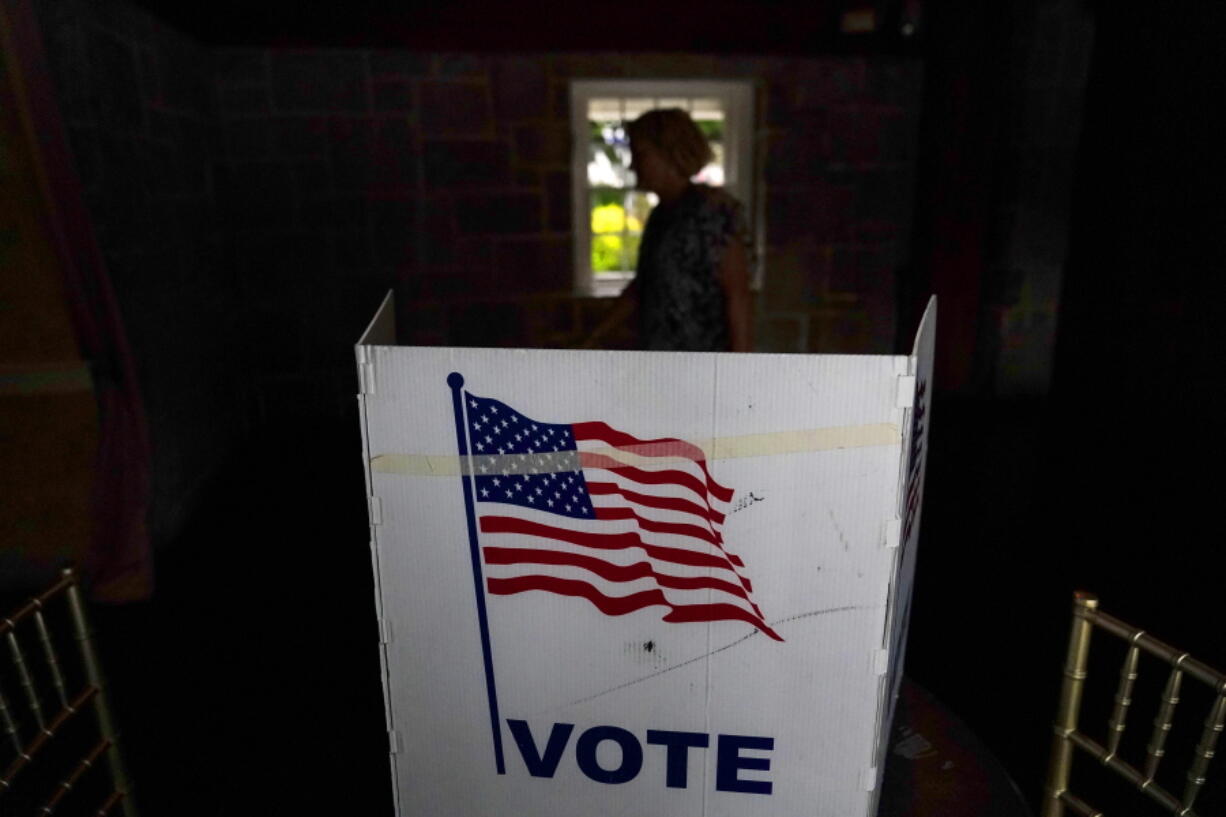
681	300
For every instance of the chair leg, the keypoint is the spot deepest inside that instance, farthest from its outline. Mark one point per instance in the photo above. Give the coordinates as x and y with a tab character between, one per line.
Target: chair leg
1061	761
93	670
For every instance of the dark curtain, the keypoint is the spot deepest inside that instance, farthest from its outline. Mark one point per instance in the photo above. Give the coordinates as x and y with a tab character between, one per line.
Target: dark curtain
118	564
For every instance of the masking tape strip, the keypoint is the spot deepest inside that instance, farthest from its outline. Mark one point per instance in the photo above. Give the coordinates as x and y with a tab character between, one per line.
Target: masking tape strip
657	454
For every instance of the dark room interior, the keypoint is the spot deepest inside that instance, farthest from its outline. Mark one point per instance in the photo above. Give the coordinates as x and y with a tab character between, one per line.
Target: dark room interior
239	187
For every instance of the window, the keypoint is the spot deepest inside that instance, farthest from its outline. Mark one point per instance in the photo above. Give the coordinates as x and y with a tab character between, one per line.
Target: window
608	213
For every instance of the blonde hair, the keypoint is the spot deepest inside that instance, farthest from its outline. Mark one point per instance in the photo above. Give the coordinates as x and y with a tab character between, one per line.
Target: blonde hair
676	136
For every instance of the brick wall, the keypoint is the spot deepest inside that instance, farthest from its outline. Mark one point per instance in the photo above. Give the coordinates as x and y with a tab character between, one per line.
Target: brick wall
837	150
448	177
253	206
136	98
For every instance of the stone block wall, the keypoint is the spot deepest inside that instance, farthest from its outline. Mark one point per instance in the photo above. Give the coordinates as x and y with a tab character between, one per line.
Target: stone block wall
254	205
837	150
447	176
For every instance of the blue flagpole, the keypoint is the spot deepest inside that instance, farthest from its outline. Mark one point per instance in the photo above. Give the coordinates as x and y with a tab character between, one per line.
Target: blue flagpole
456	381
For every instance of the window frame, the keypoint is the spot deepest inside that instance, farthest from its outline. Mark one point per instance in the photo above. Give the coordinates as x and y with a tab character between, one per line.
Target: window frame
737	97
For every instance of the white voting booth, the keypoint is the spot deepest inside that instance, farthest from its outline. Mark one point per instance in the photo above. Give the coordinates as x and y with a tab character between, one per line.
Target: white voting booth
643	583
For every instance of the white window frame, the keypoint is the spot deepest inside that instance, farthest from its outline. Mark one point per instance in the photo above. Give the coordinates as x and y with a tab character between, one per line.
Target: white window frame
737	97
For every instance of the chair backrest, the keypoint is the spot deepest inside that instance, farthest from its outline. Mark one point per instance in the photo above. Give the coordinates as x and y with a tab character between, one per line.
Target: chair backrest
1087	617
58	743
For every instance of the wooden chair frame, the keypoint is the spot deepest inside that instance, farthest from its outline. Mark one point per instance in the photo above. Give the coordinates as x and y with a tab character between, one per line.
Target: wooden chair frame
1087	616
72	704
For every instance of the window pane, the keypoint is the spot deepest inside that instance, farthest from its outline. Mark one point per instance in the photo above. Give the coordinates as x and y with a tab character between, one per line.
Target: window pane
606	253
640	205
713	129
603	195
672	102
637	107
609	150
610	217
617	213
617	221
615	253
634	219
713	174
608	165
632	251
609	131
604	109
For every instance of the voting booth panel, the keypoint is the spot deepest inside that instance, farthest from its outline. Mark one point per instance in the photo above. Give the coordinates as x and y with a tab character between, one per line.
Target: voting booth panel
641	583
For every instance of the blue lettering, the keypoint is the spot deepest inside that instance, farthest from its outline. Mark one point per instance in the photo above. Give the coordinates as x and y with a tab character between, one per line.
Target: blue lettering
632	754
678	756
729	762
541	765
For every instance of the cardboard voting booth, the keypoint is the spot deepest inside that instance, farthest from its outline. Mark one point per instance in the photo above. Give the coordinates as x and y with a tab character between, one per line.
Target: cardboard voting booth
654	584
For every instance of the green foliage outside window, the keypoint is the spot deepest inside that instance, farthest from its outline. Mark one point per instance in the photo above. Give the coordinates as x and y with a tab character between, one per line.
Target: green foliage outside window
713	129
615	243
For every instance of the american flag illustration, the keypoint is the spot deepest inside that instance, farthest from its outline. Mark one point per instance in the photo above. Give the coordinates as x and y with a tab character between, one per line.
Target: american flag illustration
585	510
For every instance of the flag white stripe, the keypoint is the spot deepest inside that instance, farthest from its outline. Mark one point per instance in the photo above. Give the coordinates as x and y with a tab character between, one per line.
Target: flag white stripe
678	597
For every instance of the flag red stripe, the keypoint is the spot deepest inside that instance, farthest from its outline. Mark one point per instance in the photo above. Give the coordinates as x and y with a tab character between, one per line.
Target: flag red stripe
654	526
663	503
676	528
663	447
707	535
719	612
608	570
621	605
589	459
606	488
603	541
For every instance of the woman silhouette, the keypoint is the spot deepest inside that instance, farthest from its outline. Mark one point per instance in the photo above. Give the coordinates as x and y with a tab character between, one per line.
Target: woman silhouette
691	286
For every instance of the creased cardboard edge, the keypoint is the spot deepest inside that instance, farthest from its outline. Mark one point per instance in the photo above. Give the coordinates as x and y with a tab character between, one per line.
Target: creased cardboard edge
887	695
381	329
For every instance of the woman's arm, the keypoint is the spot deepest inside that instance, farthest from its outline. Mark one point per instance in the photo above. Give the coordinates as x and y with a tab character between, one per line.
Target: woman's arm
734	277
623	308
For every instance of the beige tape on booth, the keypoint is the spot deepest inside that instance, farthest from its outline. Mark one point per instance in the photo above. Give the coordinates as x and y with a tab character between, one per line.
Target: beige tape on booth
720	448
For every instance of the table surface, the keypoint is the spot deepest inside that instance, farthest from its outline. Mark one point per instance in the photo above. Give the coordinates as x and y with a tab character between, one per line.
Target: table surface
938	767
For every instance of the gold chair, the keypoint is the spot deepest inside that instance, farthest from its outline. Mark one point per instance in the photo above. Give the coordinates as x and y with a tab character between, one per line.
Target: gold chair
1087	616
52	745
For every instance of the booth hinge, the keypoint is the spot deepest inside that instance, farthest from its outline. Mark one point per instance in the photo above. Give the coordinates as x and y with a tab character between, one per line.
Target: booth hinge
893	532
906	392
393	742
868	778
376	511
385	631
366	374
881	661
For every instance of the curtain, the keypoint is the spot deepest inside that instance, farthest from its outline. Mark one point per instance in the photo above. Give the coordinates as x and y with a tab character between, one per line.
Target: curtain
117	559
